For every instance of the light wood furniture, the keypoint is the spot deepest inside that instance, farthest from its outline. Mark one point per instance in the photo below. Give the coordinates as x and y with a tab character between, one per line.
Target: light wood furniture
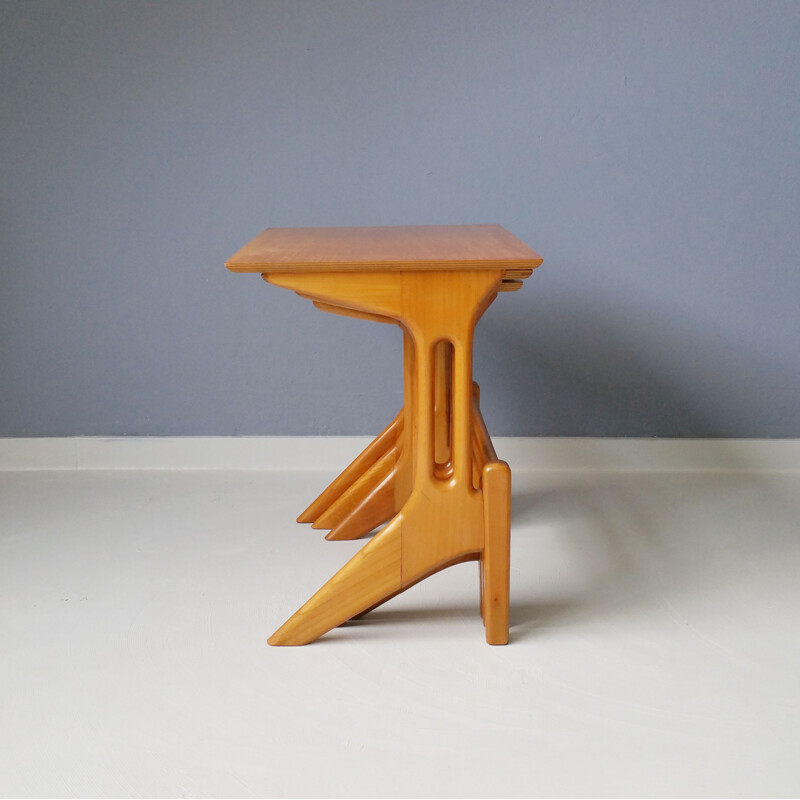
432	475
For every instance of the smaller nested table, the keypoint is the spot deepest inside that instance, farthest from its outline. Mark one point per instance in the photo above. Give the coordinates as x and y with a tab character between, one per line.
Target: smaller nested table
432	475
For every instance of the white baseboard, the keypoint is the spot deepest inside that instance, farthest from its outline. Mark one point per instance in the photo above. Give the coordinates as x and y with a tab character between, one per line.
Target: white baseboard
334	452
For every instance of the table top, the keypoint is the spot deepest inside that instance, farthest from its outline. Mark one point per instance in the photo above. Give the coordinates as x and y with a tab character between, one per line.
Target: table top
392	248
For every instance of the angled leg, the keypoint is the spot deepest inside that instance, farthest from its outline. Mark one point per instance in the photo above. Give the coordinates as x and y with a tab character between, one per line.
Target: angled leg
380	497
368	457
358	492
373	573
356	469
364	496
375	509
382	568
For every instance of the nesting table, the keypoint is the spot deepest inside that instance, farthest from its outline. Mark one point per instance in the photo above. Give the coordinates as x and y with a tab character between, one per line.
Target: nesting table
432	476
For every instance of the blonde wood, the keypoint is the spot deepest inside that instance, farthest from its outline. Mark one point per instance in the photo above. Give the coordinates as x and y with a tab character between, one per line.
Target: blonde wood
481	579
363	461
362	521
358	492
496	556
375	509
404	475
393	491
380	503
459	560
443	520
418	247
344	312
486	451
433	472
514	272
370	575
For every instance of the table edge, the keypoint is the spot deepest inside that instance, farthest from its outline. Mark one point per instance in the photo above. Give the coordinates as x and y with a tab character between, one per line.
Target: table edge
388	266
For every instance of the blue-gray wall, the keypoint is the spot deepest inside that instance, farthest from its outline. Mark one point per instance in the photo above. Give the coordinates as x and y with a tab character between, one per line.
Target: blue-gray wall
650	151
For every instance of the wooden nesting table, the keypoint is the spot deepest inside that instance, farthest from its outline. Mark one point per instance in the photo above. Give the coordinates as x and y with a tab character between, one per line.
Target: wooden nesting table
432	475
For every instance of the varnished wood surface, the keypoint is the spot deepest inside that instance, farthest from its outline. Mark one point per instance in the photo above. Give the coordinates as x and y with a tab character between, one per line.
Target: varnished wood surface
416	247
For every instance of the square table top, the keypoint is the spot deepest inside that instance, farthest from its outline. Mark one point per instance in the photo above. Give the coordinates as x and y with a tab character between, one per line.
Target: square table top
393	248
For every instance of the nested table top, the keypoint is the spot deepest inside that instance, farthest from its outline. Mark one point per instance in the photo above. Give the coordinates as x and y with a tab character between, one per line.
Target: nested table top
393	248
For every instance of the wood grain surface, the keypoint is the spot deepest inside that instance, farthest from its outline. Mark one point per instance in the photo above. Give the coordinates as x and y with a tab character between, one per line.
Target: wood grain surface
416	247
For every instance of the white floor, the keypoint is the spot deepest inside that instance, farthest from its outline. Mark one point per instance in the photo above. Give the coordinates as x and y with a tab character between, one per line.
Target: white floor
655	644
